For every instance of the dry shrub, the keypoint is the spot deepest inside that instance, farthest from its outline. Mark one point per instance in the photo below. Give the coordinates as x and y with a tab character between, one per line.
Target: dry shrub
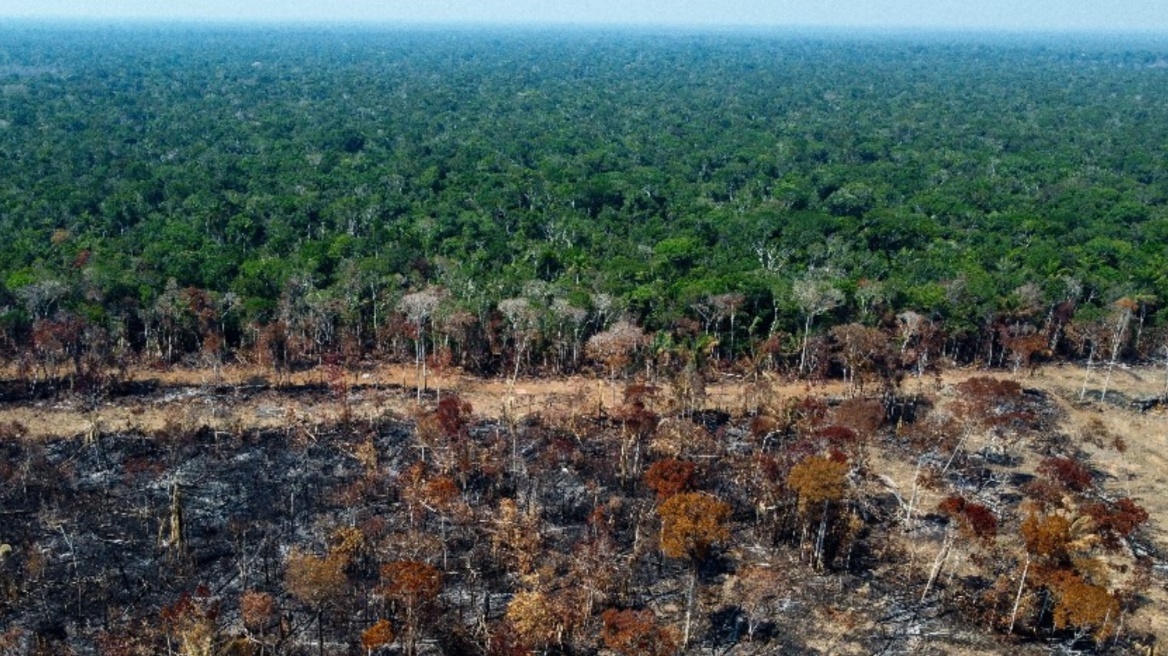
191	620
865	416
315	580
636	418
839	438
506	641
12	431
974	519
125	641
1083	605
1067	473
939	431
1047	537
677	437
348	543
534	620
378	635
517	539
636	633
985	387
453	416
1116	520
804	415
257	609
669	477
1096	433
763	425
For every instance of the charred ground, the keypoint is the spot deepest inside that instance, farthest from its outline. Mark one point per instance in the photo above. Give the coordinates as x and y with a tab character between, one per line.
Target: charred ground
970	517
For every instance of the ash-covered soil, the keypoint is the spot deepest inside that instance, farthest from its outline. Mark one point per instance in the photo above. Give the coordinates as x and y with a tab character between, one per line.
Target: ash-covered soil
167	541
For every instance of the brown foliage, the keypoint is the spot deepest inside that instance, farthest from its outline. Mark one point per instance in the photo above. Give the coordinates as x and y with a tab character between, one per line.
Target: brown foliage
135	641
1047	537
758	591
410	582
763	425
1116	521
315	580
974	518
12	430
865	416
378	635
985	387
191	620
859	349
692	523
805	414
1083	605
636	633
517	536
669	477
615	347
818	479
636	417
257	609
1068	473
453	415
535	622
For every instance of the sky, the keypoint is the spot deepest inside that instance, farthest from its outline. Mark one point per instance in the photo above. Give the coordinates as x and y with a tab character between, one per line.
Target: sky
1012	15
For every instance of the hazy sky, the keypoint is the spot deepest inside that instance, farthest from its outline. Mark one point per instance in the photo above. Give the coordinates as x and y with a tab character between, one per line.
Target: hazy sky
960	14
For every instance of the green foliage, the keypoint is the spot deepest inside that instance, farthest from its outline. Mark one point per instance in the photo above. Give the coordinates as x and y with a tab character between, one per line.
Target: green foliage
665	171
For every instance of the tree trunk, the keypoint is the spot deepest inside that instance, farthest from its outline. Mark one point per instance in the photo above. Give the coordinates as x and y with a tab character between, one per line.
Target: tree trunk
689	603
938	563
1018	597
806	337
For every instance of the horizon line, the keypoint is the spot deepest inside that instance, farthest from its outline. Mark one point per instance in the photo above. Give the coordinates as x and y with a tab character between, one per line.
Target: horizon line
397	23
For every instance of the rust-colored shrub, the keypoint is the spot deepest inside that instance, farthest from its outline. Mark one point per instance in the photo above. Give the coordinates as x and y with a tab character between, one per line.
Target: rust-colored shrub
378	635
865	416
636	633
1068	473
1116	521
410	582
257	609
985	387
315	580
669	477
453	415
974	518
839	437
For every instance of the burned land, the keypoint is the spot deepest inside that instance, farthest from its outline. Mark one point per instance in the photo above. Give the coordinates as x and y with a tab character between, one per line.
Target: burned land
970	514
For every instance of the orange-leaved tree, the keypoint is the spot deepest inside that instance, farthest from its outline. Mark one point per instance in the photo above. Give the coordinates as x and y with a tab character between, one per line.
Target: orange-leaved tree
413	586
692	524
317	581
534	620
820	482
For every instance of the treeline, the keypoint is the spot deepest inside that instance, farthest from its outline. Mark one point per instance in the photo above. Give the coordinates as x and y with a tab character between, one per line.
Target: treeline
498	199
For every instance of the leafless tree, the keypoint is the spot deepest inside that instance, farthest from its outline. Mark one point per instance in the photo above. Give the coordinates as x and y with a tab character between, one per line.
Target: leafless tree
815	293
418	308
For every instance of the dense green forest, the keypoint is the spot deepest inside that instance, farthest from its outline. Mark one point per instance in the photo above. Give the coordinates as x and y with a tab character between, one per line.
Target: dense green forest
498	197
